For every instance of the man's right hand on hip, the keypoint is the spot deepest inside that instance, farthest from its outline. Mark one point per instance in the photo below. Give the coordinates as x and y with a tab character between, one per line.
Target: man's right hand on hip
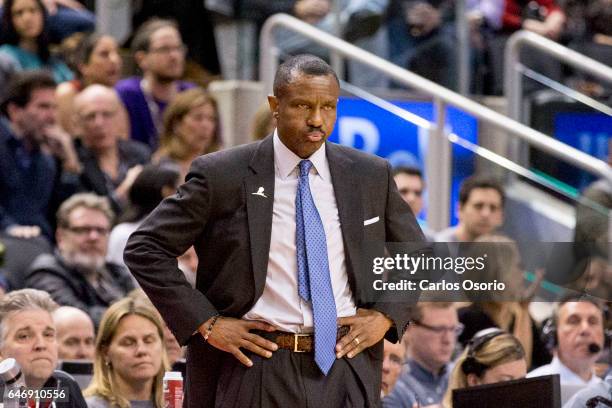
230	335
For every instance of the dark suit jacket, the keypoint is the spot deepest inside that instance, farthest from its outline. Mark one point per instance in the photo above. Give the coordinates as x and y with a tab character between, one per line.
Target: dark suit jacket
131	153
230	228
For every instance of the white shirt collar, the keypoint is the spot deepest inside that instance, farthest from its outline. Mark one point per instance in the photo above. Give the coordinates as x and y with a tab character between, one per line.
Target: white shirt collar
567	375
286	161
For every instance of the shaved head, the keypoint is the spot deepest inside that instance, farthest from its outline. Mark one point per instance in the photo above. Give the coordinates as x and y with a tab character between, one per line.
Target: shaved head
75	334
96	92
98	110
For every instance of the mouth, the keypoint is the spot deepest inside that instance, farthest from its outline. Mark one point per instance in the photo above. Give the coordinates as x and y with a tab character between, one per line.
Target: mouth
315	136
41	359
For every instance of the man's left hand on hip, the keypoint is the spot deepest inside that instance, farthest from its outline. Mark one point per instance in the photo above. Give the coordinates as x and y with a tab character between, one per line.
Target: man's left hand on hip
368	327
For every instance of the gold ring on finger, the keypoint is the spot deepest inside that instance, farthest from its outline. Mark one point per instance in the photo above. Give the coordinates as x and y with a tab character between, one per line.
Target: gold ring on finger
356	340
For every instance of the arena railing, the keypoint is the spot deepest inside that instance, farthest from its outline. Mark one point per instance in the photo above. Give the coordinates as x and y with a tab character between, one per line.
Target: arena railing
514	69
438	161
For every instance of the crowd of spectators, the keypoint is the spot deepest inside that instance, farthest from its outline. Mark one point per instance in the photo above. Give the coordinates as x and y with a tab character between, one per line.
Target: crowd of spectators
87	153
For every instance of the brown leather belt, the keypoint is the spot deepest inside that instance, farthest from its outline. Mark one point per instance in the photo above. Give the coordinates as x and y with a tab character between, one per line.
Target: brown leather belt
297	342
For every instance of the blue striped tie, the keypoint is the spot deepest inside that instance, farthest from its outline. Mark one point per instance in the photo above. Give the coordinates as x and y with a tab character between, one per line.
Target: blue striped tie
313	271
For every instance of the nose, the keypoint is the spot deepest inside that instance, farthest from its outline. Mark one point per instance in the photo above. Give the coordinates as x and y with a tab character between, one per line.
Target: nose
315	119
447	337
141	348
115	58
485	211
93	234
81	353
585	327
386	365
40	343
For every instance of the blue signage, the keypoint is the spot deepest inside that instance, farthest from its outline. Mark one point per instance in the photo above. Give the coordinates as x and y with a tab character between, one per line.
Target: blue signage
589	132
367	127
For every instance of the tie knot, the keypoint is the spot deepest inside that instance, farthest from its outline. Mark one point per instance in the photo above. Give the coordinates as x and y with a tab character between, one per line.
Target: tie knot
305	166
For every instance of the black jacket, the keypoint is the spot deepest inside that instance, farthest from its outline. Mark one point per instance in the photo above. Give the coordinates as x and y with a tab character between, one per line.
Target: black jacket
68	287
131	153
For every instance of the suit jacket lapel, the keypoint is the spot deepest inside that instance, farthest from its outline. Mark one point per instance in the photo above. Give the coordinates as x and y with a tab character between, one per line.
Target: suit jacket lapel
347	190
259	209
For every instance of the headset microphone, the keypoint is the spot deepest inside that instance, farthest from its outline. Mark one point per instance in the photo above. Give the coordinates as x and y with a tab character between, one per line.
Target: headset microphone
594	348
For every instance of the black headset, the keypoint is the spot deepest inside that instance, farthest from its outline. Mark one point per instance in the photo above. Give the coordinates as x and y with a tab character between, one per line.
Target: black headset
549	329
472	366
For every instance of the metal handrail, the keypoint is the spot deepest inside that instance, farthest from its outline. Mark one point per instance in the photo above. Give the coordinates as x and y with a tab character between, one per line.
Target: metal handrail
513	84
455	139
438	158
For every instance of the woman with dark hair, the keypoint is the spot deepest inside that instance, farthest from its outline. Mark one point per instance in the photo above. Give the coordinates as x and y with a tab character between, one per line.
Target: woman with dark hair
95	60
25	39
151	186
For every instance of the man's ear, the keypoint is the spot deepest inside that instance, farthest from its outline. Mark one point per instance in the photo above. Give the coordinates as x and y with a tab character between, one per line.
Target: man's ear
139	58
59	235
273	102
13	111
459	211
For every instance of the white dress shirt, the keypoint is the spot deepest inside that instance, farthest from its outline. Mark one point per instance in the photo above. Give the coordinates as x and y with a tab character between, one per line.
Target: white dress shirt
567	376
280	304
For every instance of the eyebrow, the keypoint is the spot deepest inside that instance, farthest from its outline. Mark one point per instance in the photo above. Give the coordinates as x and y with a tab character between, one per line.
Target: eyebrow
29	328
135	336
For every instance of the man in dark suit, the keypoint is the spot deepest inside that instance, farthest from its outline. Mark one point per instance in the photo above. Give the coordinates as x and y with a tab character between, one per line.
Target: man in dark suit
279	227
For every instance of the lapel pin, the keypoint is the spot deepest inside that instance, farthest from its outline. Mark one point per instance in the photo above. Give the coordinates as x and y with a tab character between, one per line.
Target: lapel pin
260	192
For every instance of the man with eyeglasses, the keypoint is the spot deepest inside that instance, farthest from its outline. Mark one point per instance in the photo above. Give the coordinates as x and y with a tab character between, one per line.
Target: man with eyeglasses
159	52
77	274
394	355
431	340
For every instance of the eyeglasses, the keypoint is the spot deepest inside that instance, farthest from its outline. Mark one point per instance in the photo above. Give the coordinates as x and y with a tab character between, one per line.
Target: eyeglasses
167	49
456	330
86	230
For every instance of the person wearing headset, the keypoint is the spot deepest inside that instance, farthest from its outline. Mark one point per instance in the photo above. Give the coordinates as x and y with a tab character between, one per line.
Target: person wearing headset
576	336
492	356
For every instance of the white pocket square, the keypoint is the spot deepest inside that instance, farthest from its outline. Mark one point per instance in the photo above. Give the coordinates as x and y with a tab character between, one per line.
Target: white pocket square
371	221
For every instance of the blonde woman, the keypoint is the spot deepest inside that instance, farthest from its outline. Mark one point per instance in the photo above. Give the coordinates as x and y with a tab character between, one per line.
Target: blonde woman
191	128
130	358
491	356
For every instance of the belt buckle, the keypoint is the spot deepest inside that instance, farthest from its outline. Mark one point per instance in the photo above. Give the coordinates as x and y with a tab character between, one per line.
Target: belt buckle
296	336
